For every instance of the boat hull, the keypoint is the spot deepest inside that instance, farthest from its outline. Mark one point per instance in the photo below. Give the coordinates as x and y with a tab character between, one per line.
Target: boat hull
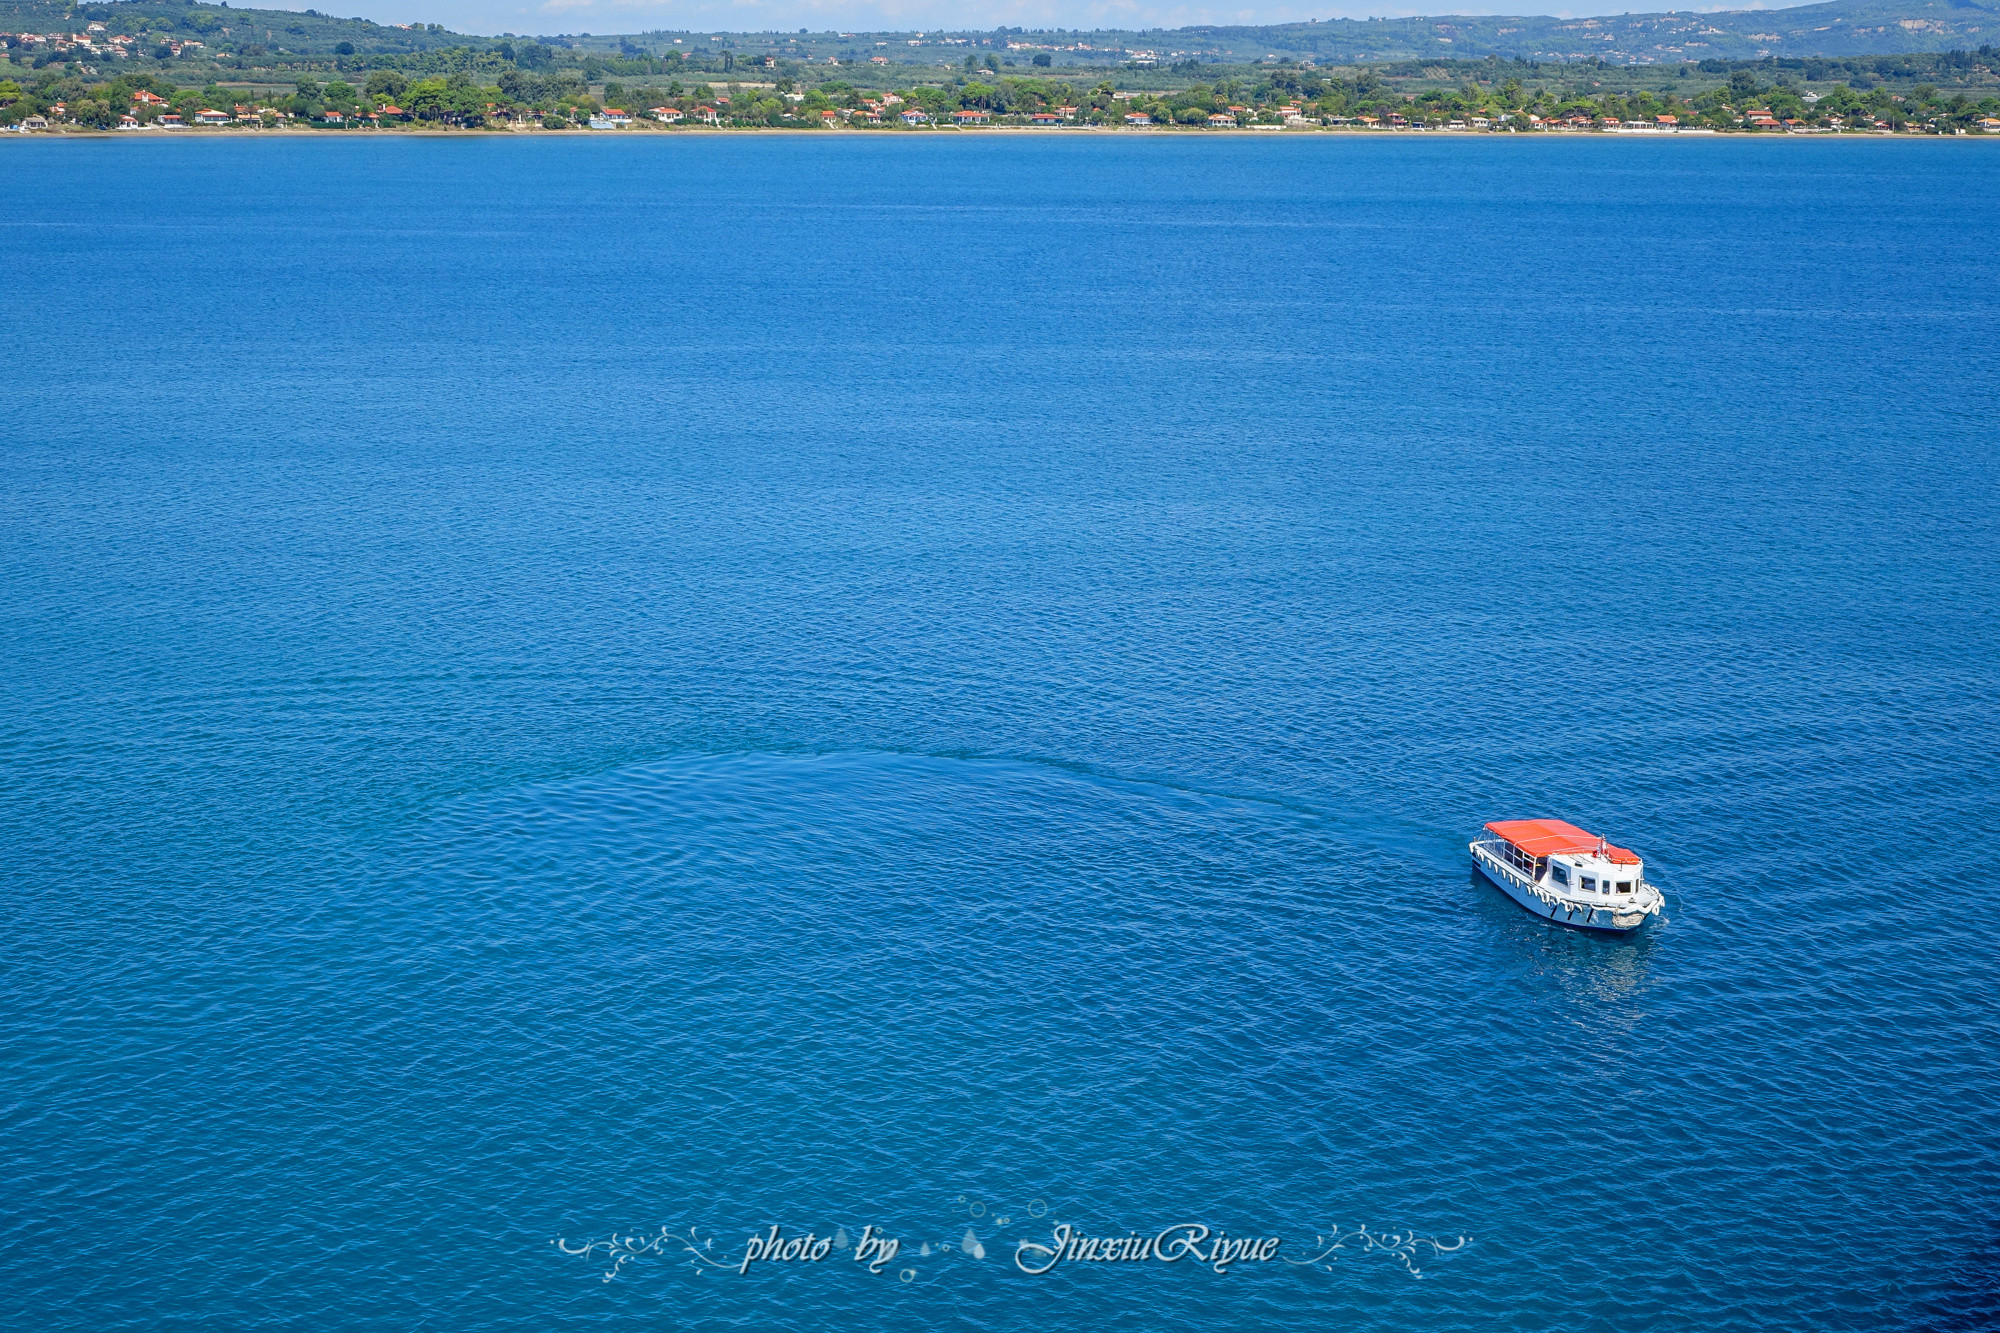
1605	920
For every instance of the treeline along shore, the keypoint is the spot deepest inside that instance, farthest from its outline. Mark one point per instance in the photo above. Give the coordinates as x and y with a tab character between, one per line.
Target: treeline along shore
193	69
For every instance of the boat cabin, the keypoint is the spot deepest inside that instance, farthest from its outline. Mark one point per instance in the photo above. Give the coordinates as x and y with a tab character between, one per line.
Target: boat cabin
1566	857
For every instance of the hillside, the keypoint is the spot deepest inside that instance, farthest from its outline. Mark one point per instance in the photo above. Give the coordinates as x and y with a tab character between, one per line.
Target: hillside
226	28
1842	28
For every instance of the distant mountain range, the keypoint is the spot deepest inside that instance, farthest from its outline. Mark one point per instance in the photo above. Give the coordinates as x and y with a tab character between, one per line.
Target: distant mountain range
1837	29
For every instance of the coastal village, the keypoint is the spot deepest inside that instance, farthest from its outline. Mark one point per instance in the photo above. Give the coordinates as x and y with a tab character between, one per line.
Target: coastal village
96	78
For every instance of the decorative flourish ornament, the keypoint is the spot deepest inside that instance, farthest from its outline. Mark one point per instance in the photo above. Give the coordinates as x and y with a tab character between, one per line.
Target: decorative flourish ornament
1403	1245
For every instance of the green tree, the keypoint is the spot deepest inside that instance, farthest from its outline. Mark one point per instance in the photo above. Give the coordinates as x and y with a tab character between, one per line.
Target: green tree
428	99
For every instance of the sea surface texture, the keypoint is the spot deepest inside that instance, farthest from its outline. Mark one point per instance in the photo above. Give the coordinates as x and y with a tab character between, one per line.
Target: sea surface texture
627	691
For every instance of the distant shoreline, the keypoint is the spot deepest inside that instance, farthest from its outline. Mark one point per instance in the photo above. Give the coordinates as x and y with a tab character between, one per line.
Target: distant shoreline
949	131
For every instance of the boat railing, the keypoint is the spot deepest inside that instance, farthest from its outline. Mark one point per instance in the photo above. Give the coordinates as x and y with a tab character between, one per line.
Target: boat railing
1498	849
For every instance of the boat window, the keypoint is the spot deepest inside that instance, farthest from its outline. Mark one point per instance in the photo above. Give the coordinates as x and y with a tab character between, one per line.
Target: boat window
1562	873
1589	884
1624	886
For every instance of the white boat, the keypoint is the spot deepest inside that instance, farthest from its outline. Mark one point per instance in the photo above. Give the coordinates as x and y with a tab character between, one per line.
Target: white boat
1560	872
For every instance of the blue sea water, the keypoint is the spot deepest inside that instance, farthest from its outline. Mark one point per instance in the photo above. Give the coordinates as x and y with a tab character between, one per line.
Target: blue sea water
560	689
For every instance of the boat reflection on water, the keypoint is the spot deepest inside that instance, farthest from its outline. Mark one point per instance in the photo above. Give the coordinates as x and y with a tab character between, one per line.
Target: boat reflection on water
1600	979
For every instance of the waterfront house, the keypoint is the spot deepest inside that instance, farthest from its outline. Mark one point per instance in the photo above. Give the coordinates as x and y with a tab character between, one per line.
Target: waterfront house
914	117
969	118
665	114
145	98
1220	121
171	122
616	115
1045	118
1667	122
390	111
128	122
1138	118
1066	112
210	116
1987	125
707	115
35	123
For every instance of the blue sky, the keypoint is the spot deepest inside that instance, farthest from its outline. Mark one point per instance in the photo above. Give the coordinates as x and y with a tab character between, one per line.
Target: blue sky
604	16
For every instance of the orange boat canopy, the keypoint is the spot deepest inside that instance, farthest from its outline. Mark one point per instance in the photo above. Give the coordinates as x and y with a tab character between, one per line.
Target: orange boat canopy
1550	837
